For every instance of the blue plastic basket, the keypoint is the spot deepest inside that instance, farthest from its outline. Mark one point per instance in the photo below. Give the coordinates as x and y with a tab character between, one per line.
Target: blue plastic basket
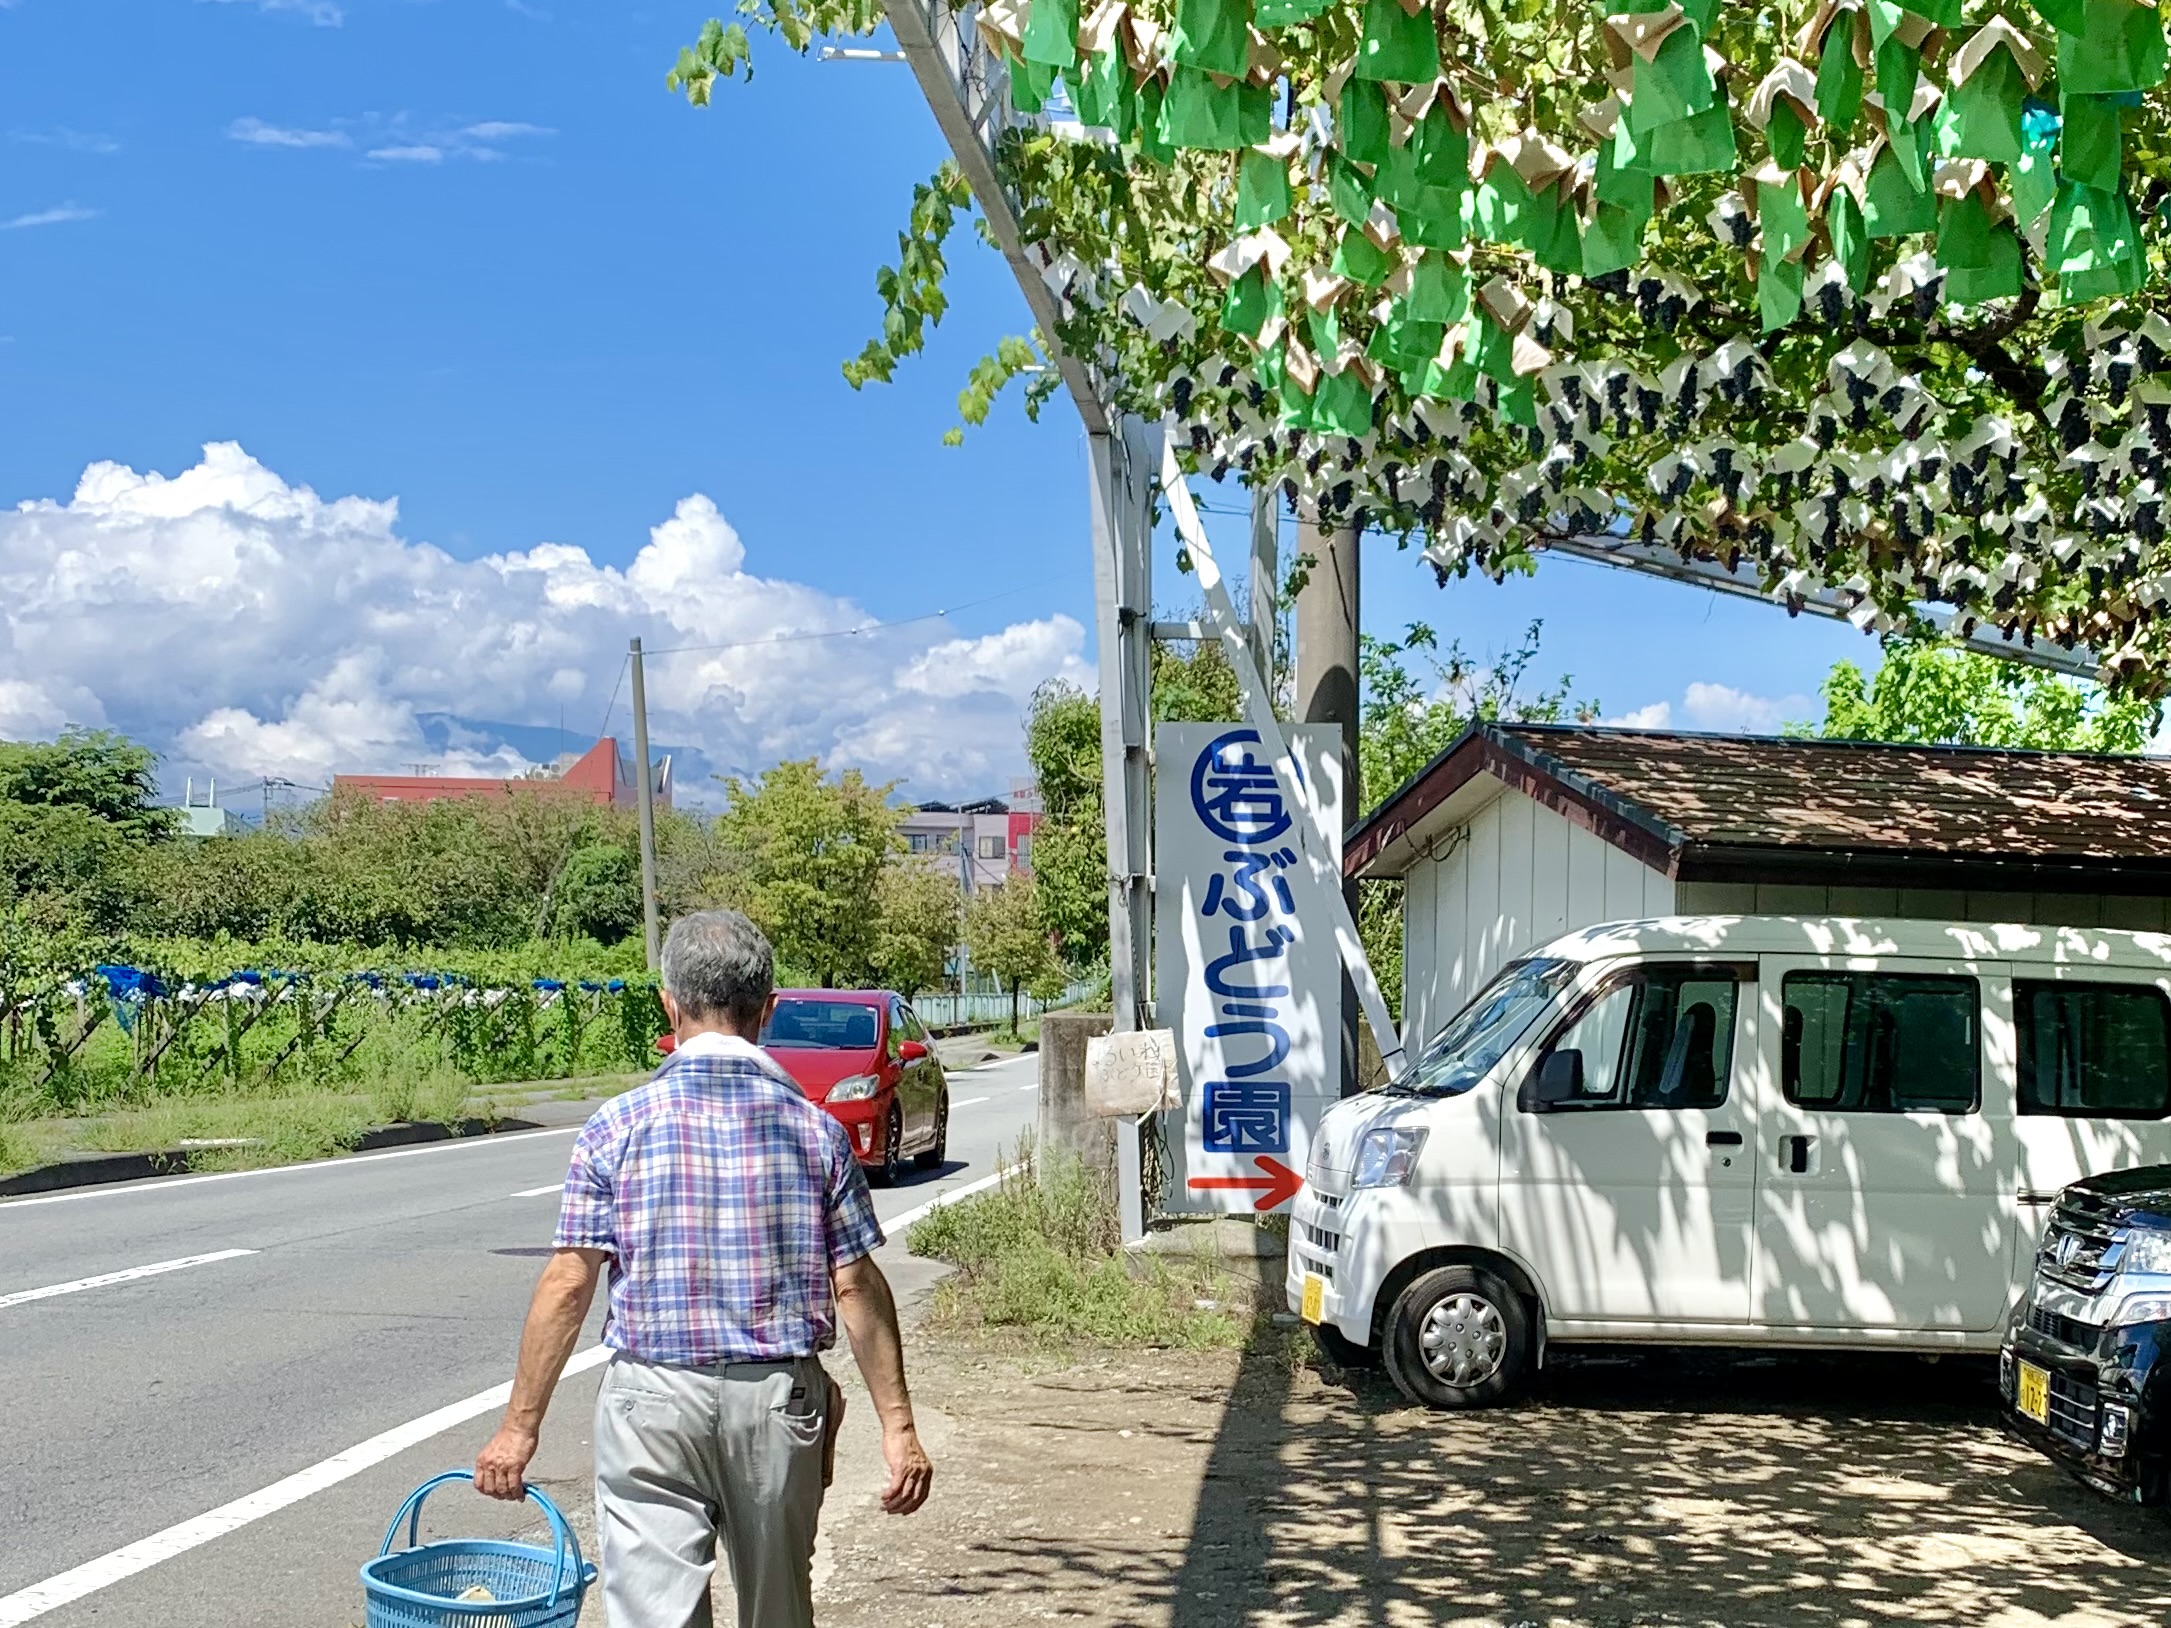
419	1586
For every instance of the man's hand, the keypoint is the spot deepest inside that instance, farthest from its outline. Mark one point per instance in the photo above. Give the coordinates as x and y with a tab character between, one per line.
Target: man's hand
561	1301
912	1474
869	1315
501	1467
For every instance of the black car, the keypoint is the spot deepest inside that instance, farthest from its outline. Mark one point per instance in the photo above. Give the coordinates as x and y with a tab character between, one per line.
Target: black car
2086	1365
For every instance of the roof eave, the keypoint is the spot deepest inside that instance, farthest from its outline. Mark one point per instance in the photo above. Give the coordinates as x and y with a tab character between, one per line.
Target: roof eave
1377	846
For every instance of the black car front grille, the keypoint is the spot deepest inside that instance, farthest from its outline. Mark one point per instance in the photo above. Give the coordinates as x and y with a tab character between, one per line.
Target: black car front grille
2073	1409
2070	1331
2082	1247
1321	1238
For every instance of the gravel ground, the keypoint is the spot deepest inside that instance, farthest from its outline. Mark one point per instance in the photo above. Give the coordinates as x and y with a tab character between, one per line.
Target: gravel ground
1204	1489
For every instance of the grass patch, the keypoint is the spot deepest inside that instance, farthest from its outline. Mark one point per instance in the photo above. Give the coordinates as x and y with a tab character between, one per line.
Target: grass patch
17	1151
273	1129
1040	1255
276	1130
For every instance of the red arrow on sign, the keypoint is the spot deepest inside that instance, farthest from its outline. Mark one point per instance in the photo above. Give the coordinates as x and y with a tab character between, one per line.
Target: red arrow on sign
1276	1183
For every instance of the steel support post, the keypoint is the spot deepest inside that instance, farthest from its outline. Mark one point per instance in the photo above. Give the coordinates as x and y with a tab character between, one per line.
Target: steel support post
1123	468
1327	693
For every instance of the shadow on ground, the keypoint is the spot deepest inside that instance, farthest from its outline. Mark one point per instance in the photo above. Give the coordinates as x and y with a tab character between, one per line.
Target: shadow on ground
1631	1489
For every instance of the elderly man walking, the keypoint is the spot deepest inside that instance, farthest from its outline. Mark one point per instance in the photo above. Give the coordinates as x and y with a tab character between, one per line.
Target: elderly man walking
738	1230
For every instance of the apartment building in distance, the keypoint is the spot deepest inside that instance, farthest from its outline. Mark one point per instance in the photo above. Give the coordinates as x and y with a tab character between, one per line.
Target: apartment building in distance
982	843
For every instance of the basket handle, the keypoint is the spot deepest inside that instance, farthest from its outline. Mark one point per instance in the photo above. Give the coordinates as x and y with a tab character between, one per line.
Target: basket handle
562	1534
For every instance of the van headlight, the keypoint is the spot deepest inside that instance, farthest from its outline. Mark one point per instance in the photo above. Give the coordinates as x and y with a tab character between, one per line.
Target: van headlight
854	1088
1386	1158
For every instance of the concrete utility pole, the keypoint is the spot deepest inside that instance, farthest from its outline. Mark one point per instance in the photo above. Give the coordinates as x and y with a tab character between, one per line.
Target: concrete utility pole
1262	593
651	924
1327	692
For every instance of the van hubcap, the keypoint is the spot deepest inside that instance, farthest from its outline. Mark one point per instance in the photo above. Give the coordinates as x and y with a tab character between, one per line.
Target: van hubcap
1463	1340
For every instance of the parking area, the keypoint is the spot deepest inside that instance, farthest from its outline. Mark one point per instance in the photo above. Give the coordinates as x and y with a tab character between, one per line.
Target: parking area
1193	1489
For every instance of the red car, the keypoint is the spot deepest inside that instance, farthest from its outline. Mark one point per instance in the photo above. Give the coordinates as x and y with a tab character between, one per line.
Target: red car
864	1055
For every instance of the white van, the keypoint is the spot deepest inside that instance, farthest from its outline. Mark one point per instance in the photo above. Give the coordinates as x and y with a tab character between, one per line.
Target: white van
1732	1131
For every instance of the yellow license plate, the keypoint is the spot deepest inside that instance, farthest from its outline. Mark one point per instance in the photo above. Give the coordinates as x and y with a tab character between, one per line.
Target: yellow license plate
1315	1298
2035	1393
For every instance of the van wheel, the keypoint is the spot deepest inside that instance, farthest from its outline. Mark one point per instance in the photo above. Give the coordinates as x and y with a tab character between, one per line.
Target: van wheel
1457	1338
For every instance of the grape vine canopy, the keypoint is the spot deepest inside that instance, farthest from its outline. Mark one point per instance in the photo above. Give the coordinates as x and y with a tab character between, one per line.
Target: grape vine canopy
1859	295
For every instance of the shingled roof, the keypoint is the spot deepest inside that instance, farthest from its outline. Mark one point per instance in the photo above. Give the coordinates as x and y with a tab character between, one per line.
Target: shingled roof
1736	807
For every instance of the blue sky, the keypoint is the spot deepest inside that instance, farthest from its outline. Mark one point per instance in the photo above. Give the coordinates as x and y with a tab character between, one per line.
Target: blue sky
471	256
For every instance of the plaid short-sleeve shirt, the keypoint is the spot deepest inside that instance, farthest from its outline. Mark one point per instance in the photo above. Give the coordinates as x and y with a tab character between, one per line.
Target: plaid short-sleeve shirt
725	1199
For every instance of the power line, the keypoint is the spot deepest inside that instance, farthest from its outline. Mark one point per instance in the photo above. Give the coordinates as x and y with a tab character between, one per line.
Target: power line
624	662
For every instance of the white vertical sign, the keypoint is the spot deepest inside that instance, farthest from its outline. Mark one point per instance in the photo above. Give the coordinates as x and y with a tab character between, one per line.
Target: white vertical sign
1246	971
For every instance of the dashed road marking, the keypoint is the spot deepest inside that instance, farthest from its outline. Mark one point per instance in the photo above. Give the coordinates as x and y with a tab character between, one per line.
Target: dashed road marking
128	1275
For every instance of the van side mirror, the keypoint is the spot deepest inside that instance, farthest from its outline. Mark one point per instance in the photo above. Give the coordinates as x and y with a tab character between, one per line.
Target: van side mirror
911	1051
1560	1079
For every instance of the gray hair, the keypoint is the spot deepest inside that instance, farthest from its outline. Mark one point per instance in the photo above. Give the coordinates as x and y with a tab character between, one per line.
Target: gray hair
717	964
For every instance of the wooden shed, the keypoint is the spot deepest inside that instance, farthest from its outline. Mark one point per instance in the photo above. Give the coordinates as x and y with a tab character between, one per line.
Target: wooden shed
1520	832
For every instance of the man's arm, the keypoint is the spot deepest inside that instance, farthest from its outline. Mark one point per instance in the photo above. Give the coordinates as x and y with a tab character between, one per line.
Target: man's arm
869	1315
555	1314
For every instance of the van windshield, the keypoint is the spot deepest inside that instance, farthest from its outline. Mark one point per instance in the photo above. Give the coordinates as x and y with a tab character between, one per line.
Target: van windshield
1465	1051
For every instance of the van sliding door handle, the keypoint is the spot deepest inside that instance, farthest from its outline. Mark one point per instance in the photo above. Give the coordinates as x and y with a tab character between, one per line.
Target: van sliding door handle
1794	1152
1722	1139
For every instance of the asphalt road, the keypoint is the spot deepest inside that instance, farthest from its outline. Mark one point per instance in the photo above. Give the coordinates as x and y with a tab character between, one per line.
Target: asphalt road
374	1291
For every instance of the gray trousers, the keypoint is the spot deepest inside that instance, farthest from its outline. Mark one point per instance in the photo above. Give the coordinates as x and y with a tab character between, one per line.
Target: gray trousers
683	1454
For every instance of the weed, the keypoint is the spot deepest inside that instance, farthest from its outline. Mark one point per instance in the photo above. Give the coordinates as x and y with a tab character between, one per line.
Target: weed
16	1151
1040	1254
1056	1204
270	1130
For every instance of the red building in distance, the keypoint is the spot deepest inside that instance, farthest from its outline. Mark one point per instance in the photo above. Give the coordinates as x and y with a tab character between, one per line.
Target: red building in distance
600	776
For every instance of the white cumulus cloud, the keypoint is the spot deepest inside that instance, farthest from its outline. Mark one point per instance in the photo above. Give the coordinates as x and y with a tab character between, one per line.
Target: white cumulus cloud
247	627
1722	709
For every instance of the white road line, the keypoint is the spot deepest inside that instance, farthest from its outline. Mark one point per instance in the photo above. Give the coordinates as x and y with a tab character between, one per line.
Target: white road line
27	1604
166	1184
1035	1086
896	1221
538	1192
129	1275
967	1102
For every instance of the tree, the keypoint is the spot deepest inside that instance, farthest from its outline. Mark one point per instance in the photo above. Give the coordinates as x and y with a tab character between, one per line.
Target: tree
1408	720
75	815
812	852
1070	844
917	916
106	775
1193	684
1008	939
598	894
1936	695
